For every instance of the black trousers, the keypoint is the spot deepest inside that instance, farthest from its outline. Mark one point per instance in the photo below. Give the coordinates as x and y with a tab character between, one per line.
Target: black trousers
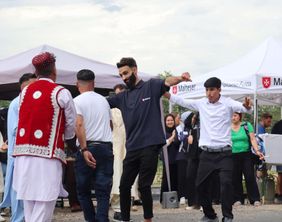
173	179
143	162
181	178
192	169
211	163
243	165
215	188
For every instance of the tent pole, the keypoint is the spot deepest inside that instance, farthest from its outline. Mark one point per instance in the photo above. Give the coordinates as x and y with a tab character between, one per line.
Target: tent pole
170	107
256	112
165	152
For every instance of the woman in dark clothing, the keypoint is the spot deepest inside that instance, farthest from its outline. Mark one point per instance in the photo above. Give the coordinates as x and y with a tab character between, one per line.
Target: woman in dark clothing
172	149
181	160
193	151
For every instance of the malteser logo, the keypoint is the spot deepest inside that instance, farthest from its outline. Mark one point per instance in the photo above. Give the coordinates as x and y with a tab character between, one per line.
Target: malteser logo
174	89
266	82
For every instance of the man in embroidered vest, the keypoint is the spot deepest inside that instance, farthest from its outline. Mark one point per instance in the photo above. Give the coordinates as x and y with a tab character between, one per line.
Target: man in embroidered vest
46	118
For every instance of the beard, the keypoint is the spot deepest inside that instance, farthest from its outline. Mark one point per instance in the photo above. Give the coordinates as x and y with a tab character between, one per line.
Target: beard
130	82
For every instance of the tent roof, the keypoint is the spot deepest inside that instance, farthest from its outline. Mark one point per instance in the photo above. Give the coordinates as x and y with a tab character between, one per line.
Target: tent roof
67	64
263	60
245	76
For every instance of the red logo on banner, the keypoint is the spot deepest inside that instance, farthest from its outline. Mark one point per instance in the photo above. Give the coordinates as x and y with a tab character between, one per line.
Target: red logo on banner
266	82
174	89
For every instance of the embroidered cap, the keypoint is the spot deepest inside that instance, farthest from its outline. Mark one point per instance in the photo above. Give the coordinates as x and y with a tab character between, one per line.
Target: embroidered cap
43	60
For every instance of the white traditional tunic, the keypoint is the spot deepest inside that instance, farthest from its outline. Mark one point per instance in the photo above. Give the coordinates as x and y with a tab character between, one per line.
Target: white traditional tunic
119	150
38	178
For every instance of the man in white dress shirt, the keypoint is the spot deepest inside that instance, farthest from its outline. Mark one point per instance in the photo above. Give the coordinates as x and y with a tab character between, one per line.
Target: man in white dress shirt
46	118
215	141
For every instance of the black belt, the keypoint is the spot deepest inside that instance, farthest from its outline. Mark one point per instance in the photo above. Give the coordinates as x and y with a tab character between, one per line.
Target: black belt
89	143
216	149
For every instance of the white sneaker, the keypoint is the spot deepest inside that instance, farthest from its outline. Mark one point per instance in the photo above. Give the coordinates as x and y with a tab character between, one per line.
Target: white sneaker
182	201
257	203
134	208
237	203
2	219
194	207
189	208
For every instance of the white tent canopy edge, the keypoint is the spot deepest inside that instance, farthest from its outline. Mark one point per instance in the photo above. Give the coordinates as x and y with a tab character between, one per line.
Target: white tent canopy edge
67	64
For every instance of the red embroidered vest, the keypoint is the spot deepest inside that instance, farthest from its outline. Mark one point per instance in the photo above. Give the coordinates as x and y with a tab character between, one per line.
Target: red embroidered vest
41	122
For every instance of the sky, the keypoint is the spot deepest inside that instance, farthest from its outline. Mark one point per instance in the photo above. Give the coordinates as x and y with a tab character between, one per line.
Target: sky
162	35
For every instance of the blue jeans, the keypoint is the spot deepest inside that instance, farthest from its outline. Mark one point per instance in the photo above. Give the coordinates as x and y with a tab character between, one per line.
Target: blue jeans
102	178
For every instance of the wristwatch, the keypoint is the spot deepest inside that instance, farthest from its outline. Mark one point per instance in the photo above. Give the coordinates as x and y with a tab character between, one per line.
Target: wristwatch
82	150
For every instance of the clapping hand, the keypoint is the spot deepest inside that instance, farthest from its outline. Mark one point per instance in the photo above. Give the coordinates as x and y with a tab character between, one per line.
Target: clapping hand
247	103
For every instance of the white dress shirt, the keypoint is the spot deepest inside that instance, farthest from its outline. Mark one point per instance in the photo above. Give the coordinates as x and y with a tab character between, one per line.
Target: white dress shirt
215	118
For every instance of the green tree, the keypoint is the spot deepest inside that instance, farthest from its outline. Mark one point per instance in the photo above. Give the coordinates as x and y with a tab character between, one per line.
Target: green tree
165	101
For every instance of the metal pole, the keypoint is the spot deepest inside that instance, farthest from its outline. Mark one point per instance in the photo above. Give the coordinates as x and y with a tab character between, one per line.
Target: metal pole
256	112
170	107
165	153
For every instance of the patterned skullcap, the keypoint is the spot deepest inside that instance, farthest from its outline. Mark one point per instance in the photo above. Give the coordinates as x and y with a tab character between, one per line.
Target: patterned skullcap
43	60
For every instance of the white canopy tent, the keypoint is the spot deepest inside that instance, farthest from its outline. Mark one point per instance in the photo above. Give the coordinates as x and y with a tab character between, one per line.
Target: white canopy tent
67	64
258	74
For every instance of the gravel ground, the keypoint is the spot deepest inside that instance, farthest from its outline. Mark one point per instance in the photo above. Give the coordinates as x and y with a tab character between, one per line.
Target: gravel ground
265	213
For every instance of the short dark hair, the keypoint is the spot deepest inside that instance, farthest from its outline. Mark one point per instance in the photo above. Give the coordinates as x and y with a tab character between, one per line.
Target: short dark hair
119	86
266	115
85	75
213	82
127	61
25	77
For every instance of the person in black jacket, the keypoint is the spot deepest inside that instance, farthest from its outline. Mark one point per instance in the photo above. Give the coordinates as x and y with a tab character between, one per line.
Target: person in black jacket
193	151
172	149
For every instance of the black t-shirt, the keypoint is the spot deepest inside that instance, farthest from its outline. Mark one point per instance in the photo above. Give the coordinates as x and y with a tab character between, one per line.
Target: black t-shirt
140	108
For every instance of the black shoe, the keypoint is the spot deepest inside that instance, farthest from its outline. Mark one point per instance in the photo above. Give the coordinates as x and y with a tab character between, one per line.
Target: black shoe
206	219
137	203
226	219
60	203
117	217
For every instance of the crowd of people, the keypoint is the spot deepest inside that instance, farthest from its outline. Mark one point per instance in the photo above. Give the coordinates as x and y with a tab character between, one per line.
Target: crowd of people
115	144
